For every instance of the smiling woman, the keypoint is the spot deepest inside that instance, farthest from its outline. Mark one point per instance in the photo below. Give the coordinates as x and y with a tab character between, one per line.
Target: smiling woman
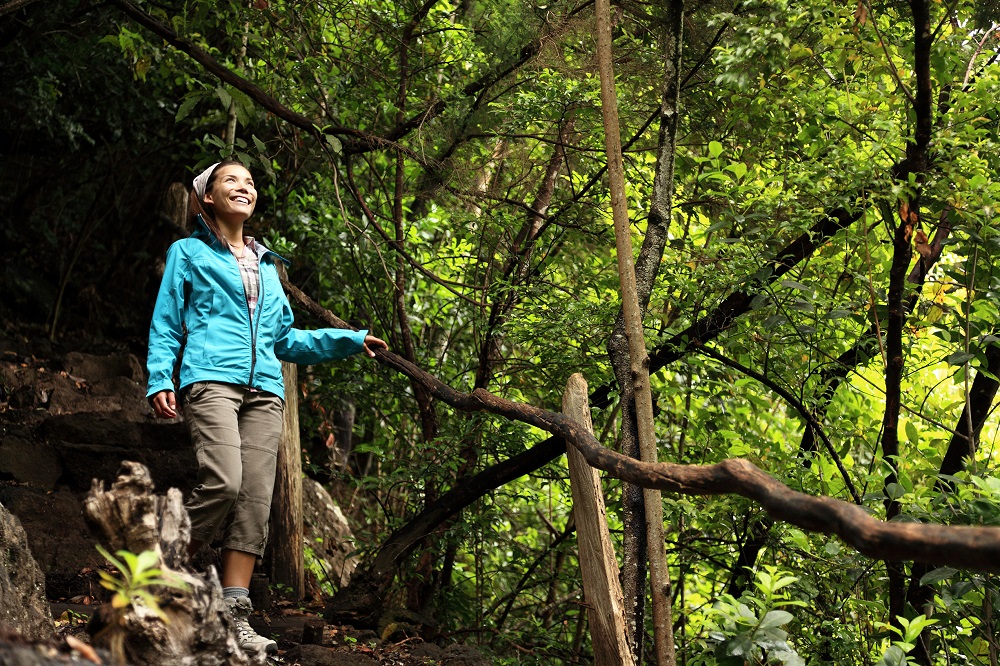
232	199
221	300
214	200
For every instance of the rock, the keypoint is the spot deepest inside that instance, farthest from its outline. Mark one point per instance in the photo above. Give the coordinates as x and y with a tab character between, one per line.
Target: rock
462	655
60	539
427	651
328	534
44	450
22	586
120	395
15	650
92	445
25	462
93	368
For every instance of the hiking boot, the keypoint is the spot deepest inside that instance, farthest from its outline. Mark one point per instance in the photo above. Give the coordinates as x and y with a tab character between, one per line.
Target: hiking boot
249	640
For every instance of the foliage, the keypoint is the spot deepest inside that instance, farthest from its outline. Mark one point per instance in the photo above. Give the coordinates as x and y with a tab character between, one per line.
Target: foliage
748	630
475	236
138	576
134	590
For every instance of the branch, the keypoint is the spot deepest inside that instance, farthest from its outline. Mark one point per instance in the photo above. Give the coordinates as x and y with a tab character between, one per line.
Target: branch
709	327
861	351
398	247
794	402
13	6
354	140
957	546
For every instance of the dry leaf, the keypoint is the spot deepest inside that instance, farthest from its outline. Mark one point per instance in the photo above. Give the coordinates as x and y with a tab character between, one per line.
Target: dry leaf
861	14
86	650
923	247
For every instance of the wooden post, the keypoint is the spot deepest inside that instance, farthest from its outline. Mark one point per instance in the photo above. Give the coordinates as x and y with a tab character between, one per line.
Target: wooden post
601	589
286	539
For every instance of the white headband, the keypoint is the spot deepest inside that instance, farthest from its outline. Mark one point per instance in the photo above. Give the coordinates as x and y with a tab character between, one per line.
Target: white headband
201	181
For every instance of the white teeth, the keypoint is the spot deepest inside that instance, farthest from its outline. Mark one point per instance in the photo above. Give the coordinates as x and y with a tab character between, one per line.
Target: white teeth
242	200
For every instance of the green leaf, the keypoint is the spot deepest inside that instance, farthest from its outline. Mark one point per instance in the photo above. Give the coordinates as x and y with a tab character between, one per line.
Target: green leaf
915	626
334	144
261	148
959	358
739	646
894	656
714	148
737	168
224	96
937	575
776	618
185	108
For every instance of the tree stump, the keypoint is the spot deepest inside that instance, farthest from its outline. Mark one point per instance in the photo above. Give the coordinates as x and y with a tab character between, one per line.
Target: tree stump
194	628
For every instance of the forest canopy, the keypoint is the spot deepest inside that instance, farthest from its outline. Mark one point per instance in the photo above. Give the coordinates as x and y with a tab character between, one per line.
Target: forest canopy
812	186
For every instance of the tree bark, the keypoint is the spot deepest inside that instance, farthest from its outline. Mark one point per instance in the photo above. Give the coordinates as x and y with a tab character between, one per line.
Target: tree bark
601	590
663	639
194	628
287	540
646	269
909	221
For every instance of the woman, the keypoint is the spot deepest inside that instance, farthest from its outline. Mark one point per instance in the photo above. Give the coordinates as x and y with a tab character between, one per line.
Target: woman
221	302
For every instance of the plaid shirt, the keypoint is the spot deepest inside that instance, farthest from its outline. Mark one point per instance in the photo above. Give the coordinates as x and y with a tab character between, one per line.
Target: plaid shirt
250	272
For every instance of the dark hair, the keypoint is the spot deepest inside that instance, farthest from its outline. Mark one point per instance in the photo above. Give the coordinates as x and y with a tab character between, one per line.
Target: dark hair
206	210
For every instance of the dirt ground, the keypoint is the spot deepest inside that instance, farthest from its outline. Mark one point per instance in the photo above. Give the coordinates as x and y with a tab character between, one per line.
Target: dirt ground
303	640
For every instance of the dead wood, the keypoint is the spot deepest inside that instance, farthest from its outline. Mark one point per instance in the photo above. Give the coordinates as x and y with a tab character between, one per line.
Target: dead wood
193	629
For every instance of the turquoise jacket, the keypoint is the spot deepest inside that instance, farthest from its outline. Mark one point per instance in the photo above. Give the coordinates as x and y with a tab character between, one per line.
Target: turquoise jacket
202	293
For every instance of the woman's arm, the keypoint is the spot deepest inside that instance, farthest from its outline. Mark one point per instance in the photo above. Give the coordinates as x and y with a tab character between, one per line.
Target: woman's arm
166	331
325	344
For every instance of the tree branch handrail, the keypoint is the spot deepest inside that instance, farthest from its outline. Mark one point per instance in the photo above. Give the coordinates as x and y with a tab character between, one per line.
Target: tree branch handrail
960	546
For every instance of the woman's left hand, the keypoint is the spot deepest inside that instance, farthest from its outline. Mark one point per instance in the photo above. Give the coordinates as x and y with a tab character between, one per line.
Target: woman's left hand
372	343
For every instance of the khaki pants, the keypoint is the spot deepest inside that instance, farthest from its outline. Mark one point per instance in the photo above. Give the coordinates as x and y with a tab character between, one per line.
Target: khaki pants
235	433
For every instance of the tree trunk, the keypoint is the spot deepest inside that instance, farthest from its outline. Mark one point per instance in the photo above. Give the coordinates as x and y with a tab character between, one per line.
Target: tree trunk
194	627
286	538
663	640
647	267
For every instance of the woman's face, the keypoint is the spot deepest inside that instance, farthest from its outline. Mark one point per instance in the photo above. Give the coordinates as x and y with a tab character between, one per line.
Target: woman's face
232	194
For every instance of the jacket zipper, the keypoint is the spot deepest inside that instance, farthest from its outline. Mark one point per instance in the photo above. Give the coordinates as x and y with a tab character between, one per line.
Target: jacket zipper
253	331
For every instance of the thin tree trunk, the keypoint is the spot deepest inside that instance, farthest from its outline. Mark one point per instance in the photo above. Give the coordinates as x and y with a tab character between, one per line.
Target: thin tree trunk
287	531
646	269
909	221
231	119
663	642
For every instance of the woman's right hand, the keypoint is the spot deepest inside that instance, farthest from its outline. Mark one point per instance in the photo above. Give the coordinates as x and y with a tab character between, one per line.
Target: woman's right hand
164	405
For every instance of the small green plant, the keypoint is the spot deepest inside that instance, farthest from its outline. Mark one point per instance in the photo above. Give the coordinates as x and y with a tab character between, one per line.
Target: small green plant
133	587
138	575
909	634
749	630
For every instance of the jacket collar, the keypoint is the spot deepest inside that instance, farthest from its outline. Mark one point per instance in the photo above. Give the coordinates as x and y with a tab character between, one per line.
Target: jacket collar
202	232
